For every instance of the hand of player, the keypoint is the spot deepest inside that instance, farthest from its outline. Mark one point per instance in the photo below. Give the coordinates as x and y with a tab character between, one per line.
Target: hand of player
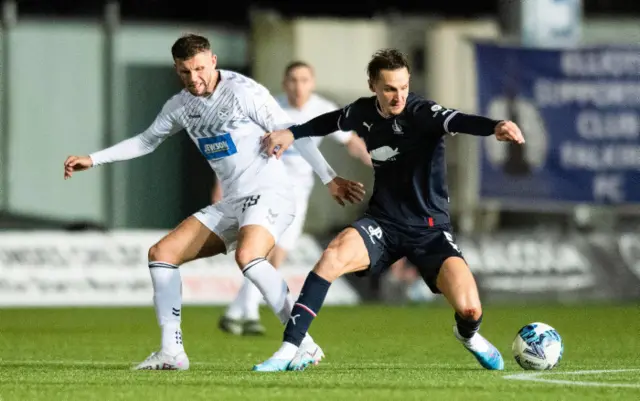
277	142
342	189
76	163
508	131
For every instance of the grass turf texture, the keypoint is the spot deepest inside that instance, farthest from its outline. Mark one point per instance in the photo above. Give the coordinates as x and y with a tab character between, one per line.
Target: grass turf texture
373	353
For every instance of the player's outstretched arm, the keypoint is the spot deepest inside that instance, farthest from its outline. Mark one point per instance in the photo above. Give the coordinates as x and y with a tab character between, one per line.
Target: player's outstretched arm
506	131
277	142
322	125
162	127
451	121
125	150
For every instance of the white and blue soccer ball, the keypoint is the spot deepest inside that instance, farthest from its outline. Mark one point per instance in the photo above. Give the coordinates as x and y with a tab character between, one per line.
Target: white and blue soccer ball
537	346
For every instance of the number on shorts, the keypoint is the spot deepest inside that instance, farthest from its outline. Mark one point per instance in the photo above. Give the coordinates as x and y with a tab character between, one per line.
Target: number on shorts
449	238
250	201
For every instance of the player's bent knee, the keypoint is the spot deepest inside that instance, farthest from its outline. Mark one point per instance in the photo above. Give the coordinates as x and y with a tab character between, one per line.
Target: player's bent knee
467	305
254	242
458	285
246	255
162	252
468	312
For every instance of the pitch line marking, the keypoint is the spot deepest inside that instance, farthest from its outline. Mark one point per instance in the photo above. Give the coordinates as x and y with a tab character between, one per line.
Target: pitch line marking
535	377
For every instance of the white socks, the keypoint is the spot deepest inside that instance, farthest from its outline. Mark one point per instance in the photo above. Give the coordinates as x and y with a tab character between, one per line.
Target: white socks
287	351
253	298
262	279
272	286
274	289
167	298
246	306
476	342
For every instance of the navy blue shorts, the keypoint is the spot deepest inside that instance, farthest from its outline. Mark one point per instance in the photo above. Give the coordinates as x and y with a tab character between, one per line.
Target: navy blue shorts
425	247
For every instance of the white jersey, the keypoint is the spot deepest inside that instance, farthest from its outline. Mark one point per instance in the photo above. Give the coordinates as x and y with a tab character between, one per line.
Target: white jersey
297	166
226	126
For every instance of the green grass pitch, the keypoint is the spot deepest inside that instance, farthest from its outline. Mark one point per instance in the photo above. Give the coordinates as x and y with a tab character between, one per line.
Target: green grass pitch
373	353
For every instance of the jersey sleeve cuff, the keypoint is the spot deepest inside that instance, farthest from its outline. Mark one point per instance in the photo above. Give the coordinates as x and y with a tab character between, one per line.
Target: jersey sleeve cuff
301	131
95	160
328	176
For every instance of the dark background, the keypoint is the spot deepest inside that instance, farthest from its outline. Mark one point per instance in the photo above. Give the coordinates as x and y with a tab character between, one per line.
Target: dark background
236	12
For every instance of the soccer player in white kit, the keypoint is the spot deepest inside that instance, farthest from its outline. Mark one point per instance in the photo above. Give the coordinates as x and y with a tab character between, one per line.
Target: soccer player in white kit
301	104
225	114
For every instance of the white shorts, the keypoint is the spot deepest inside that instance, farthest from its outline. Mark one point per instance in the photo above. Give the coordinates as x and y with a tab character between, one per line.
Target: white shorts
271	209
291	235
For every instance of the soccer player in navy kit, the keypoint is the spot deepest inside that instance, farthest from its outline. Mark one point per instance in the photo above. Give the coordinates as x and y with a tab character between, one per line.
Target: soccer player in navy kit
408	214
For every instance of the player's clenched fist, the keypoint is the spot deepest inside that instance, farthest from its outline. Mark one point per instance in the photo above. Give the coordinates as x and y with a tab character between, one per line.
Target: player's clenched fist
76	163
277	142
508	131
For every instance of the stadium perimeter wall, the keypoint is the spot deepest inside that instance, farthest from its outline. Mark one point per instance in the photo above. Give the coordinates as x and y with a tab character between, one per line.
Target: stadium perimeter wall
56	268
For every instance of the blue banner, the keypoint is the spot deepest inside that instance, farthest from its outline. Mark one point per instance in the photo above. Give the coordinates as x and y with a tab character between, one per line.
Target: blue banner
579	111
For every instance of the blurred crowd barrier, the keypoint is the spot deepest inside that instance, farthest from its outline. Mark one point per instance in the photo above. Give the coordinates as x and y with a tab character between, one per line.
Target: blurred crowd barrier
56	268
109	269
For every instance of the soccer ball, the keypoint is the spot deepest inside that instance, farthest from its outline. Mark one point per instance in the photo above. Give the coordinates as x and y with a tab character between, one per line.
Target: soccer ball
537	346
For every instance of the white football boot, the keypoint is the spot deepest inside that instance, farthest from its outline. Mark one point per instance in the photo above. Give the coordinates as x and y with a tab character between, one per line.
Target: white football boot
163	361
308	354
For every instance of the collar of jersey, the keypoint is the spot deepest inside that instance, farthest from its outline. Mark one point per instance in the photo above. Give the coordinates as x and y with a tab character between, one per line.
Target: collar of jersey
215	89
379	110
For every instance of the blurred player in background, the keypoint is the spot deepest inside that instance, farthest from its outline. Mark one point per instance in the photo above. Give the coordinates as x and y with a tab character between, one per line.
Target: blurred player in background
408	214
301	104
225	114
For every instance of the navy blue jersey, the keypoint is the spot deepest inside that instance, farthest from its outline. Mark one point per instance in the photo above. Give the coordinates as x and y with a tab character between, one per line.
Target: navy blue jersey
408	154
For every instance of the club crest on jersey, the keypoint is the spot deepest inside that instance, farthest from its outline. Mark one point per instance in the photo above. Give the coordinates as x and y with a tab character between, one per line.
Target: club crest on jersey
217	147
223	113
397	128
437	109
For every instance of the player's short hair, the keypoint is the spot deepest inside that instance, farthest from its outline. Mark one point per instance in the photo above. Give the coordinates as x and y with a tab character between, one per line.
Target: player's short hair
386	59
188	46
296	64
